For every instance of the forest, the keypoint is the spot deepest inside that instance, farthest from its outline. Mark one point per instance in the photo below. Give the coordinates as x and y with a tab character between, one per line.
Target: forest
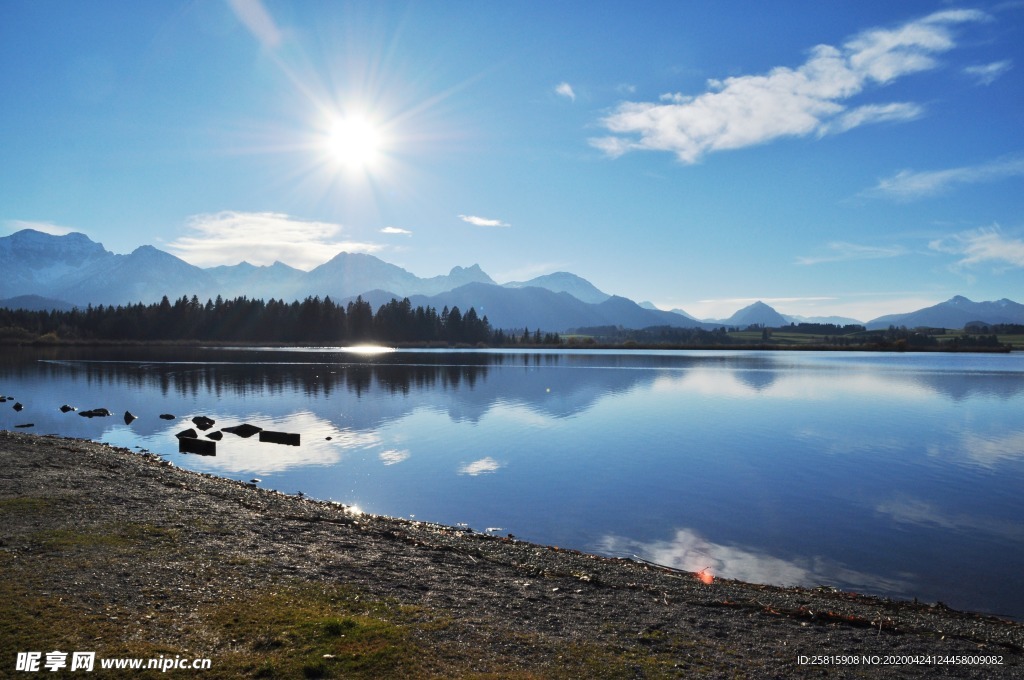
241	319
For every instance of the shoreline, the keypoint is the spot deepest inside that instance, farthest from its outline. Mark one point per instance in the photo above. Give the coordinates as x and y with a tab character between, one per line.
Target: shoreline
91	529
571	346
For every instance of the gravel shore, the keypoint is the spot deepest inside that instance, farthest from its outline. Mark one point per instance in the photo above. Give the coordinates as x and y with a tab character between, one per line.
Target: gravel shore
138	556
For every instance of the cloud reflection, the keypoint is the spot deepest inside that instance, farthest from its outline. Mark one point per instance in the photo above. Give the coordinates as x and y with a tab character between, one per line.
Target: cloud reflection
479	467
237	455
992	450
393	456
689	551
921	513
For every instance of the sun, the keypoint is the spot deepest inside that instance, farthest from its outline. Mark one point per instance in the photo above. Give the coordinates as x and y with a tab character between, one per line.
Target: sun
355	143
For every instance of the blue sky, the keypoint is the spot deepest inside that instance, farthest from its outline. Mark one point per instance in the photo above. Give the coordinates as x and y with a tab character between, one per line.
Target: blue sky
854	158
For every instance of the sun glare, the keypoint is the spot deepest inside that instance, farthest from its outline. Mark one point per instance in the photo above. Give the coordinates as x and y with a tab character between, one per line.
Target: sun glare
355	143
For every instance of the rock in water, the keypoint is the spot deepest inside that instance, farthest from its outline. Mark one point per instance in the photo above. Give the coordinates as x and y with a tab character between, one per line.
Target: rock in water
65	408
287	438
202	447
216	435
95	413
187	434
243	430
166	416
18	406
203	423
129	417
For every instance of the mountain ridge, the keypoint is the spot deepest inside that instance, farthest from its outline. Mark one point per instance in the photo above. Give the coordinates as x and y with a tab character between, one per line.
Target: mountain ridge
43	269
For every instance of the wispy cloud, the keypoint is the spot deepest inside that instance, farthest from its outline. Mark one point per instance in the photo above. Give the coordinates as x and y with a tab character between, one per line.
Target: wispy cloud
787	102
396	230
987	74
45	227
483	221
565	90
986	245
228	237
841	251
908	185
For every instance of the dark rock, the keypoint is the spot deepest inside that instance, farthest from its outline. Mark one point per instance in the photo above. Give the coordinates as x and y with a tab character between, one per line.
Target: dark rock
244	430
216	435
95	413
187	434
18	406
201	447
166	416
329	438
65	408
203	423
129	417
287	438
26	425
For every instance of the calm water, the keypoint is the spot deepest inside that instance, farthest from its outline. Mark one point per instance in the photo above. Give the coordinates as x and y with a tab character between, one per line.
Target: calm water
898	475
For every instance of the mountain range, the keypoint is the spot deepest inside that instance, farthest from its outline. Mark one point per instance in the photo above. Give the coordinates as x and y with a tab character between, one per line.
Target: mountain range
44	271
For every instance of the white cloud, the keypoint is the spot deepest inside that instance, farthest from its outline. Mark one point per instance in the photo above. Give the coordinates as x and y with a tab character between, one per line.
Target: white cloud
479	467
871	113
483	221
840	251
565	90
786	102
980	246
396	230
986	74
228	237
45	227
908	185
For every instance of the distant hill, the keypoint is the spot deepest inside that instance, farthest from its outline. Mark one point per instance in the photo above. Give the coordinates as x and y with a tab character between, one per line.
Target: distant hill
956	312
564	282
535	307
35	303
757	313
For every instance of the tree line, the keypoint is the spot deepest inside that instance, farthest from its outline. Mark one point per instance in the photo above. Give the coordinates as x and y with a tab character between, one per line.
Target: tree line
254	320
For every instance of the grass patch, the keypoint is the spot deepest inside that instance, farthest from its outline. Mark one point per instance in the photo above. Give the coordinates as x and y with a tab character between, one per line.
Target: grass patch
328	632
29	505
33	620
130	535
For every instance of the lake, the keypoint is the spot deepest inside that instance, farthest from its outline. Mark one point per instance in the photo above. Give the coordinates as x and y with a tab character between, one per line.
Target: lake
892	474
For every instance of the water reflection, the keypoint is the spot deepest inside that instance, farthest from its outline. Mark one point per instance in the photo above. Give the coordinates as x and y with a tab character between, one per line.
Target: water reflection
480	467
689	551
915	511
877	473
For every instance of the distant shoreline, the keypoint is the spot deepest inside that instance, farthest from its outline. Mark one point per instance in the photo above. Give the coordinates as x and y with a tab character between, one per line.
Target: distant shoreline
627	346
